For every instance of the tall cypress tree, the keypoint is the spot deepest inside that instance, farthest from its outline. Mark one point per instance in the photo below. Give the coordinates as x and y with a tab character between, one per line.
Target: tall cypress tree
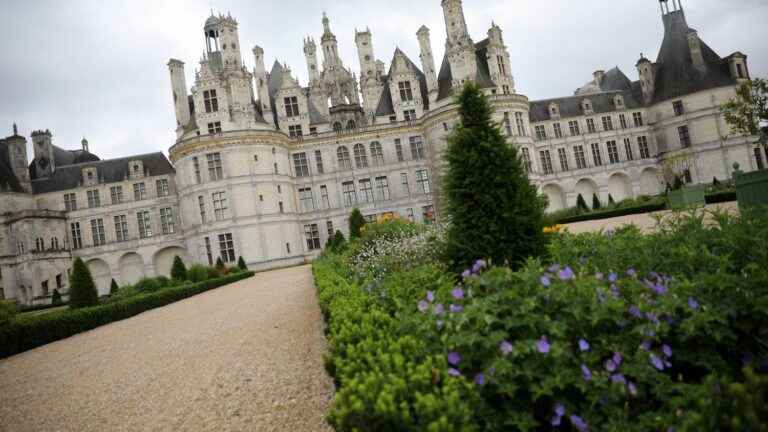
493	210
356	224
178	269
82	290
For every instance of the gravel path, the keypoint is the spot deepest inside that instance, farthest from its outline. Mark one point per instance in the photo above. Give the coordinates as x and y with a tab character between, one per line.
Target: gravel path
245	357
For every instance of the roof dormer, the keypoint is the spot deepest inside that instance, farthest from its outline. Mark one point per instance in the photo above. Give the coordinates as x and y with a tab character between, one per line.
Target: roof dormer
586	107
554	110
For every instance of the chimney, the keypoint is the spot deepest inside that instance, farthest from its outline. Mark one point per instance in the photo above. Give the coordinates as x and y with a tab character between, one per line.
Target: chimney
84	142
694	43
599	75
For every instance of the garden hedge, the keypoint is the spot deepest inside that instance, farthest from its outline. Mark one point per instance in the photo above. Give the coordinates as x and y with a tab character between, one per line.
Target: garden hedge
617	212
27	332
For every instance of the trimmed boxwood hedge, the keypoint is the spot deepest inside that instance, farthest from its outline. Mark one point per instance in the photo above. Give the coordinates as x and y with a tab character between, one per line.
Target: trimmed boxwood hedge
27	332
648	208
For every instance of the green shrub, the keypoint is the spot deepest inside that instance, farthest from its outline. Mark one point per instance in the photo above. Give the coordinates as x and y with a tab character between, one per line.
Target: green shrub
82	290
163	281
596	205
215	272
611	202
220	265
113	288
581	204
197	273
56	298
148	285
241	264
7	311
178	269
356	223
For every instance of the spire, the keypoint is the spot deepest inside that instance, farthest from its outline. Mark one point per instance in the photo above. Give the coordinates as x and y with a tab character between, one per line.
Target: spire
326	24
15	129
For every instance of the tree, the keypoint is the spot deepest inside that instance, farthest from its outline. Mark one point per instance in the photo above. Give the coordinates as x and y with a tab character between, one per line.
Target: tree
596	202
493	210
241	264
113	288
356	224
82	290
581	204
178	270
748	111
56	297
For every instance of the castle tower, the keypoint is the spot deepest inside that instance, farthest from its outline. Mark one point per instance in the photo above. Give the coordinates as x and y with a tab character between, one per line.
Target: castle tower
499	61
222	42
17	156
428	62
42	145
310	52
262	87
459	46
180	97
330	45
369	77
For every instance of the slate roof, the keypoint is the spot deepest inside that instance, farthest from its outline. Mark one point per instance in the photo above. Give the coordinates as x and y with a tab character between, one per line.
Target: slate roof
385	106
8	180
445	77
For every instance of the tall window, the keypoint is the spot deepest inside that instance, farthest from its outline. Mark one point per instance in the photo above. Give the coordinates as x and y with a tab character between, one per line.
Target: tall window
139	191
527	160
294	131
507	124
211	101
227	248
520	123
417	147
219	205
97	231
167	223
638	119
324	198
623	121
301	165
607	123
291	106
145	225
404	184
377	153
214	128
361	159
312	234
306	200
196	168
121	228
502	69
685	136
94	200
329	228
596	157
366	190
214	166
399	150
678	107
563	156
409	115
591	126
628	149
406	94
642	143
558	130
578	154
162	188
319	162
77	236
546	161
422	180
348	191
613	152
70	202
201	204
116	192
209	250
573	125
541	133
343	154
382	188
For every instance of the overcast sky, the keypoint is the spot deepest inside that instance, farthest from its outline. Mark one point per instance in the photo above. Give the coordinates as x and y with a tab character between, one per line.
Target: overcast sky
97	68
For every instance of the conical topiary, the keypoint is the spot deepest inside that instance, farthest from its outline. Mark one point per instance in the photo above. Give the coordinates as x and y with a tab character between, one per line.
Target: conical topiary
356	224
220	264
178	270
596	202
113	288
56	297
82	290
610	200
241	264
581	204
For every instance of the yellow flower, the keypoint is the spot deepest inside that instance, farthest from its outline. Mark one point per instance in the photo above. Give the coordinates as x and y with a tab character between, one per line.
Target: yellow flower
554	229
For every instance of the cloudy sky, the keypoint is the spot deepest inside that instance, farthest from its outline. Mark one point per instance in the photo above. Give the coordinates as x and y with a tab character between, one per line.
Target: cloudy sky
97	68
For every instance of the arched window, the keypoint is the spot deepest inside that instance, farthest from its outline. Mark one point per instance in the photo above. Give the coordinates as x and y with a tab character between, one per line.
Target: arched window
361	160
343	154
351	125
337	127
39	245
377	154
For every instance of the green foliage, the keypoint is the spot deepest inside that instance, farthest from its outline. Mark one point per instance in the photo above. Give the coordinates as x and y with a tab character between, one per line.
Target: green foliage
147	285
113	288
337	243
596	205
493	210
178	269
581	204
356	224
197	273
26	332
82	290
7	311
56	298
611	202
220	265
749	108
241	264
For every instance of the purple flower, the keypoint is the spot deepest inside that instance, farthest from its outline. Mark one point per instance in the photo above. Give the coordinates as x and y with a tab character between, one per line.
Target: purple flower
466	274
560	409
599	276
439	309
667	350
652	317
659	289
635	311
455	308
556	420
610	365
545	281
454	358
632	388
613	277
553	268
478	266
618	378
423	306
645	346
656	362
566	274
453	372
457	293
583	345
505	347
586	373
631	273
543	345
617	359
430	296
579	423
693	304
480	379
615	291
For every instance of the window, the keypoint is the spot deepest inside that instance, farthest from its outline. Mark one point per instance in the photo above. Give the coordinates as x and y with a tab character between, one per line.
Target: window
350	196
399	150
94	200
145	227
162	188
337	127
406	94
312	233
44	287
209	250
343	154
361	159
613	152
167	223
546	161
211	101
306	200
214	166
196	167
642	143
366	190
591	126
422	180
139	192
351	125
417	148
578	154
377	154
596	157
214	128
623	121
541	133
409	115
628	149
70	202
324	199
382	188
404	184
121	228
201	204
274	167
59	281
502	69
527	160
319	162
685	137
521	131
77	237
227	248
740	70
573	125
291	106
97	231
301	165
507	124
393	119
288	248
677	106
329	228
687	178
219	205
558	130
116	192
312	130
281	207
587	105
638	119
563	156
607	123
294	131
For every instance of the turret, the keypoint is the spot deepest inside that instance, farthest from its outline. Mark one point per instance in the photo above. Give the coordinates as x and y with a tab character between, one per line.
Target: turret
370	83
17	156
647	72
262	84
499	61
459	47
180	97
331	58
310	52
428	62
42	144
222	42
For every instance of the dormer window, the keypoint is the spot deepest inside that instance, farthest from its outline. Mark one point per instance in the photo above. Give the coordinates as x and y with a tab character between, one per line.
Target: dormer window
211	101
136	169
554	110
586	105
406	94
618	102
